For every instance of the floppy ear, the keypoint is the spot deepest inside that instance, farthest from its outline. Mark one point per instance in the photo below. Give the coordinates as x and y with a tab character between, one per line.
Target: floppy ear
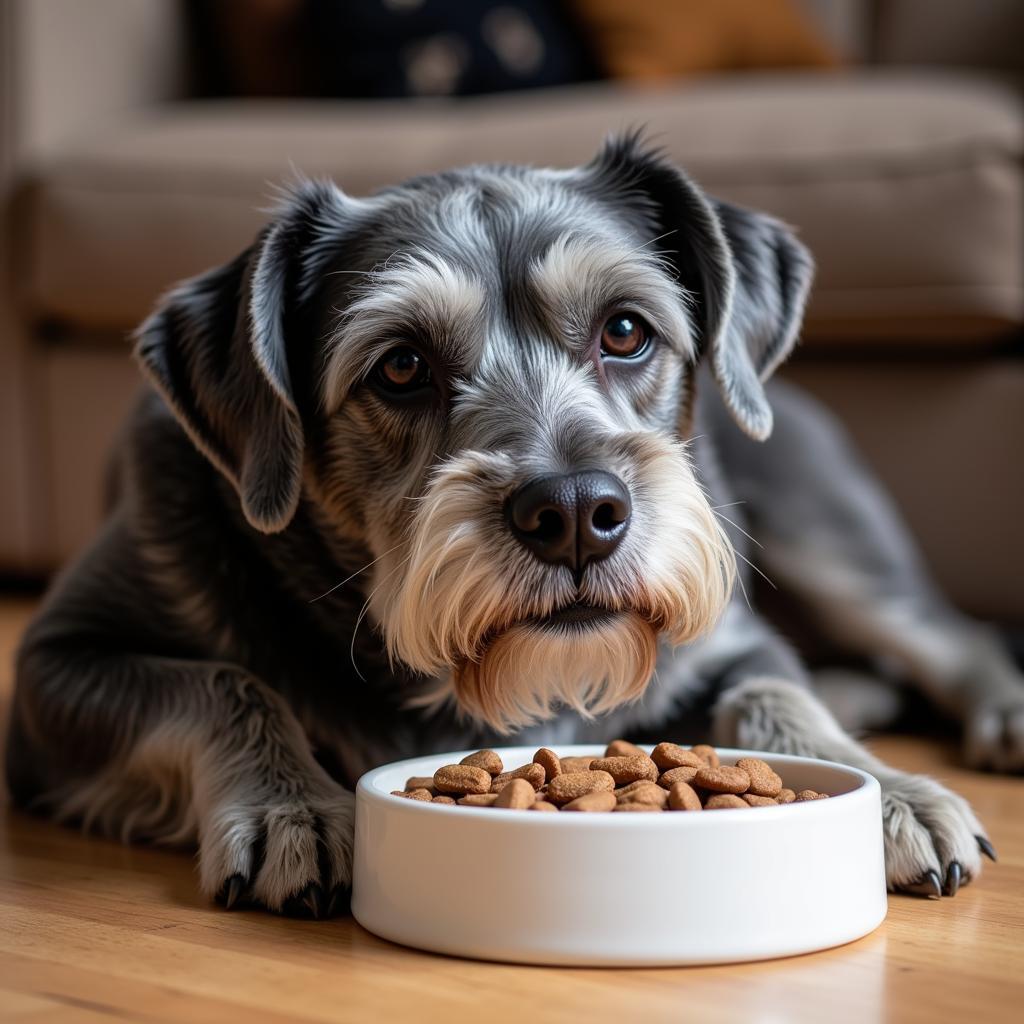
216	351
748	276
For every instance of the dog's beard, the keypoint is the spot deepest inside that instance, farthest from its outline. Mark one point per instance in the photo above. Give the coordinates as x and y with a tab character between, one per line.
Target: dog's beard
466	603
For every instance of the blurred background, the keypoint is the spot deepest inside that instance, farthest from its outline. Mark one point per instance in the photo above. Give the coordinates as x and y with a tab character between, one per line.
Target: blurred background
140	139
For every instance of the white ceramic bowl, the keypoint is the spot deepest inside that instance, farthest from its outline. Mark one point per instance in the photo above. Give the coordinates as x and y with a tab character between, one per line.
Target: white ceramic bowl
621	889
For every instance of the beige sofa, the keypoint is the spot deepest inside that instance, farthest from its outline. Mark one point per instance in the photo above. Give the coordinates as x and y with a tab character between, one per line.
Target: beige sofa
904	173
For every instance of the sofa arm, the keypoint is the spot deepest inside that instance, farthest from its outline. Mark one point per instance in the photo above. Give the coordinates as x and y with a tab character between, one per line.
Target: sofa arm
77	65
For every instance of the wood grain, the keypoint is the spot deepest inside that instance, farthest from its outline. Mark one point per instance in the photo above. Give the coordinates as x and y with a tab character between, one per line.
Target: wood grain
91	930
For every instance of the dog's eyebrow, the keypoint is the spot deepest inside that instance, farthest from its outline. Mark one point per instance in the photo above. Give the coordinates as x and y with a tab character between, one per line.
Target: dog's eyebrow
580	277
412	295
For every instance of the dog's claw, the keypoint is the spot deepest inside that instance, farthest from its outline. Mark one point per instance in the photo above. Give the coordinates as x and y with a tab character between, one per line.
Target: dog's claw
953	876
313	898
306	903
928	885
231	890
987	848
339	901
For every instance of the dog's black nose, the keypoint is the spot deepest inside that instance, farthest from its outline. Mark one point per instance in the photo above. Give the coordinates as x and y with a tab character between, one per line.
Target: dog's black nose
571	519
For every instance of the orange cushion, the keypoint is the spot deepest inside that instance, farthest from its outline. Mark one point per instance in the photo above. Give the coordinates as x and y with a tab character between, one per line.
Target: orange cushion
655	40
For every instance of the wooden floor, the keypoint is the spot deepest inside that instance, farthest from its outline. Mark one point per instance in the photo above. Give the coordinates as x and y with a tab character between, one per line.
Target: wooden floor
92	931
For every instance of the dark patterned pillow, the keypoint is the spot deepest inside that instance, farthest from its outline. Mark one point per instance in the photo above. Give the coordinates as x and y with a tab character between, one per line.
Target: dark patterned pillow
385	48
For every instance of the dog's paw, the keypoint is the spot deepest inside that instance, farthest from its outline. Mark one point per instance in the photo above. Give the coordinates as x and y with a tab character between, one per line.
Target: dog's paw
291	854
994	735
933	841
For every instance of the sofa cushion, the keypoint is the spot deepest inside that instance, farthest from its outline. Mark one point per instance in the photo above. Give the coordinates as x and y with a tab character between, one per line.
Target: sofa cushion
907	187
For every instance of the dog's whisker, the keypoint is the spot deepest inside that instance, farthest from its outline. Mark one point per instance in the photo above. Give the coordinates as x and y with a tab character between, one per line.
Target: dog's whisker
362	614
735	525
356	573
763	576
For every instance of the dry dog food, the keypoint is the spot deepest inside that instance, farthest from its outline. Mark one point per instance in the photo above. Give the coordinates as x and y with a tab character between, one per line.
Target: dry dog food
624	780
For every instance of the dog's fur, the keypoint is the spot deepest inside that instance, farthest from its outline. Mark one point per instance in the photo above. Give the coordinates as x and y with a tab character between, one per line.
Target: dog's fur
302	579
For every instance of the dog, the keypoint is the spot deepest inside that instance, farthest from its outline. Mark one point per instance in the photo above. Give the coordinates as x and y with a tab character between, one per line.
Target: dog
474	457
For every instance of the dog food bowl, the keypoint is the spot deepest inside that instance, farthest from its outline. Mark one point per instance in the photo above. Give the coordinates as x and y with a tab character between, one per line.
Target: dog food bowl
621	889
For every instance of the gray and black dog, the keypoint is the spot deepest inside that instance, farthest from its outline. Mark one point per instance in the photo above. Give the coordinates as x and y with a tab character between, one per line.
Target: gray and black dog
426	469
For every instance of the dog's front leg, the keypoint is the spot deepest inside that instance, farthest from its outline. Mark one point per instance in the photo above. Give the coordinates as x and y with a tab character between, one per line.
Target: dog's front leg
932	838
181	751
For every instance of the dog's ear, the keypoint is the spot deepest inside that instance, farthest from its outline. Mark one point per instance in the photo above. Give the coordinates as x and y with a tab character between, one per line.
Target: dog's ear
748	276
216	351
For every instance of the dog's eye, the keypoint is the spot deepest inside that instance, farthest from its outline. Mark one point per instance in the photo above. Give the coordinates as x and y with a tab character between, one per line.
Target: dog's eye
624	336
401	370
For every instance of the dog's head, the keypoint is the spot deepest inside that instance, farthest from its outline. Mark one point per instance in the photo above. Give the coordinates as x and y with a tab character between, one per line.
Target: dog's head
485	377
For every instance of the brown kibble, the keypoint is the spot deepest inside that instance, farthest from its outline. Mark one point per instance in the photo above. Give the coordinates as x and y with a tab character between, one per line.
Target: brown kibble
478	800
625	781
630	768
570	786
622	748
722	779
462	778
419	782
707	754
486	759
764	781
533	773
596	800
684	773
518	795
670	755
414	794
683	797
548	760
724	801
643	792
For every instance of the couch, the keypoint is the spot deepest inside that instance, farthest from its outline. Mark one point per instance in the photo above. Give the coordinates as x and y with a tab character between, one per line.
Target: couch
903	171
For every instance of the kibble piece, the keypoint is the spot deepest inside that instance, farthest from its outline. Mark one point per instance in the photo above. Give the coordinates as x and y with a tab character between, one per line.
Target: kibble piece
486	759
533	773
548	760
419	782
597	800
415	794
683	797
670	755
764	780
478	799
809	794
708	754
786	796
571	785
631	805
722	779
622	748
631	768
542	805
643	792
443	800
753	800
462	778
576	764
684	773
724	801
518	795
